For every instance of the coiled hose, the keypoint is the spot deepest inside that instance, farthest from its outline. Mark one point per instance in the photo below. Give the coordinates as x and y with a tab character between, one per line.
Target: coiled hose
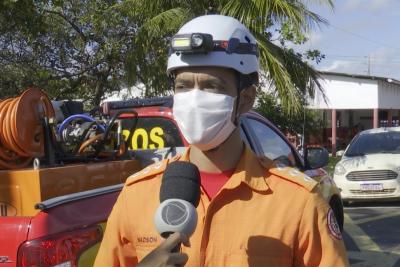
21	129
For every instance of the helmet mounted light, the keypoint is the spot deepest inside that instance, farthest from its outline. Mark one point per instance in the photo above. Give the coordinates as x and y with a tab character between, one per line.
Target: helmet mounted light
201	43
192	43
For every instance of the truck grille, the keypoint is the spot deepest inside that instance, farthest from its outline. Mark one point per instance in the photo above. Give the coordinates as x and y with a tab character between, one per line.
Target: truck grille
375	192
371	175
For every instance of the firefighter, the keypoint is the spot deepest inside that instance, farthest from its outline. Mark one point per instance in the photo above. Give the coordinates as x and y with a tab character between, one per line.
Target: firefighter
251	212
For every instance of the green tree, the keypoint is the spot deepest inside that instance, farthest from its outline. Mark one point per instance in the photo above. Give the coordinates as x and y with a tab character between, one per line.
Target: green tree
291	76
309	121
72	49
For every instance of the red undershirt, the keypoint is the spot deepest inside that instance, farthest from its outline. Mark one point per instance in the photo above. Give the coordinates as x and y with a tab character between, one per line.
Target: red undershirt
213	182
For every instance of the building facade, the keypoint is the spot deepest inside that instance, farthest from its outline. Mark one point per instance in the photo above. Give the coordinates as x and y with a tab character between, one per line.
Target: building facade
352	103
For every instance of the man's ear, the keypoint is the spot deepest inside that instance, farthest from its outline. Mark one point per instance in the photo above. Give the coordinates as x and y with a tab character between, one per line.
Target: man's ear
246	99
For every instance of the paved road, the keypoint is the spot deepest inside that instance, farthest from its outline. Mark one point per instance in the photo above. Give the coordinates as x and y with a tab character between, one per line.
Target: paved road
372	234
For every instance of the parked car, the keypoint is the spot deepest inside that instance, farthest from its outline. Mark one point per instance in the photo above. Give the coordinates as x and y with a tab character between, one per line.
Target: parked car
370	166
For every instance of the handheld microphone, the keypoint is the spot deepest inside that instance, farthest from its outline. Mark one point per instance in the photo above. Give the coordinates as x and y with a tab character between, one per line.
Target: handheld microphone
179	197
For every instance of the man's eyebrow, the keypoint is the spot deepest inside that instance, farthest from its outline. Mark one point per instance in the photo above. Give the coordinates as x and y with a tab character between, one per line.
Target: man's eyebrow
183	80
217	80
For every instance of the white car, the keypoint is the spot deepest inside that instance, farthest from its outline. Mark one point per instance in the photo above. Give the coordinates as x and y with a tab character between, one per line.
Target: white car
370	166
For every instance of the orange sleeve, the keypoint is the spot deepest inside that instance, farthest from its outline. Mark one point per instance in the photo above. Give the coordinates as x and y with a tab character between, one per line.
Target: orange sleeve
116	249
320	241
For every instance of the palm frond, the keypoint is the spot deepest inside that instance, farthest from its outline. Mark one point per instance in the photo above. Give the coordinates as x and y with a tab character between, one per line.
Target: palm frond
146	62
245	11
165	23
292	78
328	3
273	66
258	13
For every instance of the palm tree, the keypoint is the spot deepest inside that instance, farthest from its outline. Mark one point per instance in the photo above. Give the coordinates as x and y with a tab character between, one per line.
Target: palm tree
158	20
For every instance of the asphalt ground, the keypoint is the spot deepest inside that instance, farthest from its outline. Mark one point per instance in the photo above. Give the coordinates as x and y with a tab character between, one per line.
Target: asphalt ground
372	234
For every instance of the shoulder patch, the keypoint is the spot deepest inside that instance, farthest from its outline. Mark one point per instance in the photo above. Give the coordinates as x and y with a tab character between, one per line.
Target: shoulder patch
150	170
293	175
333	226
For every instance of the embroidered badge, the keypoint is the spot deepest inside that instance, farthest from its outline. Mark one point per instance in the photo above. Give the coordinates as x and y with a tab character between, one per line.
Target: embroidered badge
333	226
147	239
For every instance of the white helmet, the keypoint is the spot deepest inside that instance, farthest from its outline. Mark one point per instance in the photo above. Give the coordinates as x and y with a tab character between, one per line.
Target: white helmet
214	40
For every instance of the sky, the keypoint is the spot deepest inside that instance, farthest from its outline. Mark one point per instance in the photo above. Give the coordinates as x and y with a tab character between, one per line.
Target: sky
361	36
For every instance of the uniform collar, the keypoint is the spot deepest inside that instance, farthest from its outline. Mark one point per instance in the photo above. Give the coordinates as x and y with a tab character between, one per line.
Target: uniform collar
250	170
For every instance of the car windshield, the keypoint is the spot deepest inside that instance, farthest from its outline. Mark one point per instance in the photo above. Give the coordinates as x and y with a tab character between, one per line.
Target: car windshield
374	143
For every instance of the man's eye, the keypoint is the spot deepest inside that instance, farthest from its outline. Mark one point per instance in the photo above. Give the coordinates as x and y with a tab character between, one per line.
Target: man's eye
179	86
181	89
215	89
214	86
212	89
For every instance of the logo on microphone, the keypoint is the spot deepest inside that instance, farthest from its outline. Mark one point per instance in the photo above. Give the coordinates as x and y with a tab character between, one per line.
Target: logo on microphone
174	213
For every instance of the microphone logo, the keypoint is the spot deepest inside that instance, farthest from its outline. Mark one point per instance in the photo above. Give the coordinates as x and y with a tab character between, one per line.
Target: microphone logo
174	213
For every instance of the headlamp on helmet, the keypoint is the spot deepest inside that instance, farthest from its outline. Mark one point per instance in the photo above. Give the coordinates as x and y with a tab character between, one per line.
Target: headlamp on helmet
197	43
192	43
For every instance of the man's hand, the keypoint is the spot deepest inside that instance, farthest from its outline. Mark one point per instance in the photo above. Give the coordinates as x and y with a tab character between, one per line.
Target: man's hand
162	256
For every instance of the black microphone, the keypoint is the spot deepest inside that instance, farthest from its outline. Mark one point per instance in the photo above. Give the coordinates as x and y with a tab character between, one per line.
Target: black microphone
179	197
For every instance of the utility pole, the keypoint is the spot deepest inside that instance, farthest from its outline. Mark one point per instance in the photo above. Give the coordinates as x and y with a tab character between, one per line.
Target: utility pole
369	65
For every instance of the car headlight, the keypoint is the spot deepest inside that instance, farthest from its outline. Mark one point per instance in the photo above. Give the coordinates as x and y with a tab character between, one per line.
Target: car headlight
398	169
339	169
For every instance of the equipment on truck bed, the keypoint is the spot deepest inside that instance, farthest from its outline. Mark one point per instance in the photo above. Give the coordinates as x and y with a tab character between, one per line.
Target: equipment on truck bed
42	157
21	131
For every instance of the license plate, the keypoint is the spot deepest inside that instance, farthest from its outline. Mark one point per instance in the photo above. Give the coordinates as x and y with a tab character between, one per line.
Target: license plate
371	187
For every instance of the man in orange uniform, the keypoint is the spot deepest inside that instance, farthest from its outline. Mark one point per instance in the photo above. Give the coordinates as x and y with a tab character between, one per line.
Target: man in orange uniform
251	212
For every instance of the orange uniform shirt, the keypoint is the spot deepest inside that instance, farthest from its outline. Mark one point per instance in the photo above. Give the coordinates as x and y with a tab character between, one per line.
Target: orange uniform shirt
263	216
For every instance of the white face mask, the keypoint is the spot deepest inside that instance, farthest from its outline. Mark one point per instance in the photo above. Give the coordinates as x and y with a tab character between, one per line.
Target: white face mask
204	118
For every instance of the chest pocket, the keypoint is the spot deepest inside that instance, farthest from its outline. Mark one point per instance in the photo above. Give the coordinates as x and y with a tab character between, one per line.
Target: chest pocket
259	251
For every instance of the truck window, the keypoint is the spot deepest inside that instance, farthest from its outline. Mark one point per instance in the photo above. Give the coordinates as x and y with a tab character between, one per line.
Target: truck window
152	133
272	145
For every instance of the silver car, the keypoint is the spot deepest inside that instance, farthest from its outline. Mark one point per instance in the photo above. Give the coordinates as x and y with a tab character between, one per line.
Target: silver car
370	166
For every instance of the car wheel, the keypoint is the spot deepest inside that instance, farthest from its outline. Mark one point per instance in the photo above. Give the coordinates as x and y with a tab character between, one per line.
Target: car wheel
337	208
